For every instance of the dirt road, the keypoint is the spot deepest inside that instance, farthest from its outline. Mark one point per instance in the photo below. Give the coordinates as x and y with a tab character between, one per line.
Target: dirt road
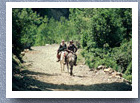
43	73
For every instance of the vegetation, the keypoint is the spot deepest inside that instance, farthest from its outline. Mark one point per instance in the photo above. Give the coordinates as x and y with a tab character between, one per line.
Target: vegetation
105	35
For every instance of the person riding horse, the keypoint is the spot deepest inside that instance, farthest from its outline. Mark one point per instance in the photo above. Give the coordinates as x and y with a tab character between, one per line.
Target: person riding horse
62	47
72	48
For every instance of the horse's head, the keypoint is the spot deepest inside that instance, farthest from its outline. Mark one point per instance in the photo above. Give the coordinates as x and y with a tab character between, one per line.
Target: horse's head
71	57
63	54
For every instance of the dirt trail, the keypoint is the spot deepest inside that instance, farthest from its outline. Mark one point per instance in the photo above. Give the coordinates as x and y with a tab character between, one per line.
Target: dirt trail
44	73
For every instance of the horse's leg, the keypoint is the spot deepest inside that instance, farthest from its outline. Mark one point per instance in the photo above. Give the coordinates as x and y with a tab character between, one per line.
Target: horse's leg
61	65
71	68
68	67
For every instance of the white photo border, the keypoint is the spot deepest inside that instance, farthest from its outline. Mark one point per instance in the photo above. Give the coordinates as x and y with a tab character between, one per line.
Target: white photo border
71	94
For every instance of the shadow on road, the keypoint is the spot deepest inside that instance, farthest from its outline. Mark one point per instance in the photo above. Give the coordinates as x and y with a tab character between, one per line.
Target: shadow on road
28	83
25	72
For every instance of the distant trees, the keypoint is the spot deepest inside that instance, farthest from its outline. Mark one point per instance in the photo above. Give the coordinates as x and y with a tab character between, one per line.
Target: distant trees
105	34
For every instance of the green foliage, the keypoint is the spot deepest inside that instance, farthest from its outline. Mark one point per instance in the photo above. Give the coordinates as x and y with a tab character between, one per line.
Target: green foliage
24	28
128	77
123	55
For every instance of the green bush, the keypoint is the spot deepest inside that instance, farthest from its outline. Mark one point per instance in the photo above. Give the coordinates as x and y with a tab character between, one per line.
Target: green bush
118	58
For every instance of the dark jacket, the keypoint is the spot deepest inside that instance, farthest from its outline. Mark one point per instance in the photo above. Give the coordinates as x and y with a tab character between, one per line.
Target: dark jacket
62	48
72	48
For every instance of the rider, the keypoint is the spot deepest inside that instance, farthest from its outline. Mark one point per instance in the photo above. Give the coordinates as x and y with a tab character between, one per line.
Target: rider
73	49
62	47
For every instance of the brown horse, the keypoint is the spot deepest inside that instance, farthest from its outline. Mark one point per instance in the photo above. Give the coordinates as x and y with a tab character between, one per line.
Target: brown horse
70	62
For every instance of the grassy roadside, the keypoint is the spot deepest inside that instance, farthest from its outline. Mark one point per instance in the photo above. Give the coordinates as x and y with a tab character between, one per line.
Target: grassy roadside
80	58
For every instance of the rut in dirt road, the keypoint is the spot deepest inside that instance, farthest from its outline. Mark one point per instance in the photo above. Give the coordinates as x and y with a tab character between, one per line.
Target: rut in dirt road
44	73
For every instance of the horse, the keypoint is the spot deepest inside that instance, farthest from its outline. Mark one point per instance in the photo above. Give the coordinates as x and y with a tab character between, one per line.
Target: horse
70	61
62	60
